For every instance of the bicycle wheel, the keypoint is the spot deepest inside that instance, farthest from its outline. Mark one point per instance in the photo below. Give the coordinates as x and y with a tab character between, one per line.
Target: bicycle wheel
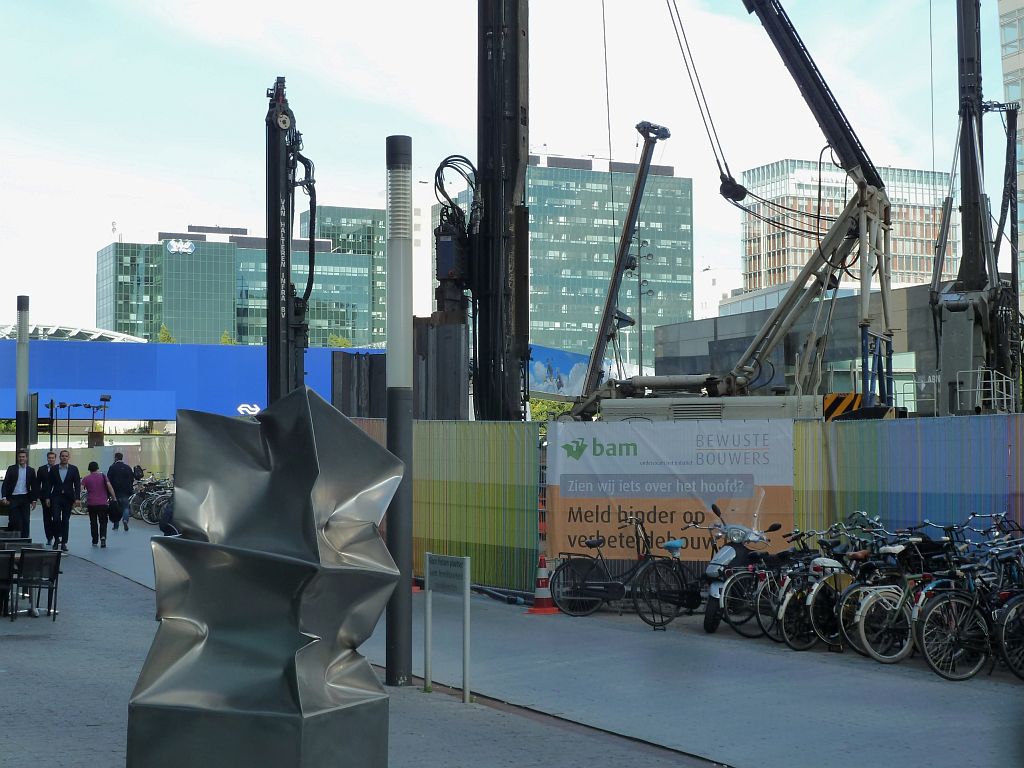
797	631
766	608
884	628
846	614
1011	636
738	604
956	637
567	586
657	593
824	602
135	505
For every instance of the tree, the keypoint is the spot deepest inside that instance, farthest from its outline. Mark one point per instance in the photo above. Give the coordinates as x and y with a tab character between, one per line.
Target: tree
226	338
334	340
165	336
547	410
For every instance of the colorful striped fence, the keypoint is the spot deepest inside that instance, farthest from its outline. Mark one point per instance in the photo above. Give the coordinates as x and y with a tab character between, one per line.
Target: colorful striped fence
475	490
908	470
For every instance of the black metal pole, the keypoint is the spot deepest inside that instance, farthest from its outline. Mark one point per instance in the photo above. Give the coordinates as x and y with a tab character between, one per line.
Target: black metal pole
21	427
279	122
398	640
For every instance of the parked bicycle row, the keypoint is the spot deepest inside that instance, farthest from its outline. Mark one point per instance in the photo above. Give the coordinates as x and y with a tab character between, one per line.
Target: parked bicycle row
954	598
952	593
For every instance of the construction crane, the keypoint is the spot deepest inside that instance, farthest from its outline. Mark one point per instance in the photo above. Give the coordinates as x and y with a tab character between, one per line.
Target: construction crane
976	317
859	235
612	318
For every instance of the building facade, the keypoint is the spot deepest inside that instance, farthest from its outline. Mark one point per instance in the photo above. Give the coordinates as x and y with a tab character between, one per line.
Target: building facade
575	221
209	285
789	192
360	234
1011	41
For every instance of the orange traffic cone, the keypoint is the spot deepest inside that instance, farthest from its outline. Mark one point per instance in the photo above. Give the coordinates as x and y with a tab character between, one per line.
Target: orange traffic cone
542	602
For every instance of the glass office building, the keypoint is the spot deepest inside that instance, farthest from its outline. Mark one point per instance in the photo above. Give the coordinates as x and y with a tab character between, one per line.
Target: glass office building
205	291
361	234
576	213
1011	45
774	257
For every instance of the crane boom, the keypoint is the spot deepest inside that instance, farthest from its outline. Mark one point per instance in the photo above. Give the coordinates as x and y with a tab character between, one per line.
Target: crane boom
819	97
652	134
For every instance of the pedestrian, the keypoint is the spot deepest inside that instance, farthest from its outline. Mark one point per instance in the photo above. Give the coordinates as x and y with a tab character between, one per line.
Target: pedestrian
46	486
122	479
19	493
99	492
67	489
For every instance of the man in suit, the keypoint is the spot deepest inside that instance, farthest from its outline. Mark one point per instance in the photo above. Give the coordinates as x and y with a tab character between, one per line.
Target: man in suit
122	480
19	493
46	478
67	488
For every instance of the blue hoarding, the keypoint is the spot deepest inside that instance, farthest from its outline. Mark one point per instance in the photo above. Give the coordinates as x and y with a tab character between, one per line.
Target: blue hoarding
150	381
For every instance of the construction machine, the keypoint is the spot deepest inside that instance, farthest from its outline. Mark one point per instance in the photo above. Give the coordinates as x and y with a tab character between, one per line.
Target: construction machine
976	317
860	235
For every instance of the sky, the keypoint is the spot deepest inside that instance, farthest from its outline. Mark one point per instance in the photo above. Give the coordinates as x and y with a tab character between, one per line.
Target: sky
141	117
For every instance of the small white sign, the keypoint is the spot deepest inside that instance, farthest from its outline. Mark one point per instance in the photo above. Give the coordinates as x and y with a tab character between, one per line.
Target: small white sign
247	409
181	246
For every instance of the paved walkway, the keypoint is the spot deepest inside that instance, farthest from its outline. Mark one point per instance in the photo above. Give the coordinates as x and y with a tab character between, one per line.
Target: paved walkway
740	702
66	684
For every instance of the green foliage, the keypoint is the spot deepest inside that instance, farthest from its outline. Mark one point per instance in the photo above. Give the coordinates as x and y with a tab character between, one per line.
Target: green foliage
547	410
226	338
334	340
8	426
165	336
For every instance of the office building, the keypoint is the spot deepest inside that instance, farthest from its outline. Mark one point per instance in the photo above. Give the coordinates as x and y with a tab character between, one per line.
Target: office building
1011	40
576	214
773	257
361	234
208	286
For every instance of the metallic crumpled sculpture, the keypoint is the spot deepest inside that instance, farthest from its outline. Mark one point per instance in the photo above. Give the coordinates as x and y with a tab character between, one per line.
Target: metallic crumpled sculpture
279	574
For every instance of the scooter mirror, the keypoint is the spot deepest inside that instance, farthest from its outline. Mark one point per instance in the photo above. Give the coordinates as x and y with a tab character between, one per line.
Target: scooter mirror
716	510
774	527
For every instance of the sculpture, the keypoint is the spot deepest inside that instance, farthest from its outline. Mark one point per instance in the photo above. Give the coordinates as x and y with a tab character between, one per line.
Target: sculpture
278	576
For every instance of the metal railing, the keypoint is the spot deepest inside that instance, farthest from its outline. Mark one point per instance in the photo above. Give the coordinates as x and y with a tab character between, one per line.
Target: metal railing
985	391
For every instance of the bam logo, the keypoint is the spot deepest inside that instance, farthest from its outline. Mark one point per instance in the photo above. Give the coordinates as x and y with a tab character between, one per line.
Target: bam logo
578	447
575	449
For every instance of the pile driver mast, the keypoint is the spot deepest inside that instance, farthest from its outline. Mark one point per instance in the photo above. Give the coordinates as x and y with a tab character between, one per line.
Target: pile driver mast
976	317
287	330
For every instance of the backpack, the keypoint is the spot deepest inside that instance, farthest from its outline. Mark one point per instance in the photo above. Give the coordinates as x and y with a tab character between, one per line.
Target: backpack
138	472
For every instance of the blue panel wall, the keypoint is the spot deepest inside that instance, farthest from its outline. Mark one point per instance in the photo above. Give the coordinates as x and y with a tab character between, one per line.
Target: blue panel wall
150	381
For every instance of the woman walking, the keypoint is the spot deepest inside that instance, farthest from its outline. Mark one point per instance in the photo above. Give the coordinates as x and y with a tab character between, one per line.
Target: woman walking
99	492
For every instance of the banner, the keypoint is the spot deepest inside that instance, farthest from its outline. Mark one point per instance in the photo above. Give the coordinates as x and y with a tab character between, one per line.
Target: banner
668	473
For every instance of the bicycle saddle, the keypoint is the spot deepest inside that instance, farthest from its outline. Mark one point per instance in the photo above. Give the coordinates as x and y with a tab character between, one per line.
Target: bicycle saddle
594	543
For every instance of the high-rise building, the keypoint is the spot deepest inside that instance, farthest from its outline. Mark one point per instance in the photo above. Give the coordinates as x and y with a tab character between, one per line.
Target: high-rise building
576	213
205	291
1011	40
361	233
773	255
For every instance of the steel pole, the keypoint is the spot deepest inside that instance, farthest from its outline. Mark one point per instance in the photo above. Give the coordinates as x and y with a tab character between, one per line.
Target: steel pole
399	368
21	426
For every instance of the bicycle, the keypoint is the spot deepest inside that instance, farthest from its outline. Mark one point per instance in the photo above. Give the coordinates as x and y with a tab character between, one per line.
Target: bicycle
581	583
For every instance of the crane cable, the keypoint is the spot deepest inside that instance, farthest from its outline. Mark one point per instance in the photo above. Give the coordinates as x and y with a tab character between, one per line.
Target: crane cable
730	189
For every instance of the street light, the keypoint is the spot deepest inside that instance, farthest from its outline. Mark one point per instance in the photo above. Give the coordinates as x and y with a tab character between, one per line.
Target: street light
640	283
69	406
104	400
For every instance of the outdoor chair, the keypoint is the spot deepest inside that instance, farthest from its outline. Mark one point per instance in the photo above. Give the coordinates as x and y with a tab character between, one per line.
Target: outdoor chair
6	580
13	543
38	569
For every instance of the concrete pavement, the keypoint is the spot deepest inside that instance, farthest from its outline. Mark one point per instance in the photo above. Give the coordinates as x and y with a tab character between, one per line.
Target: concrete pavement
737	701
